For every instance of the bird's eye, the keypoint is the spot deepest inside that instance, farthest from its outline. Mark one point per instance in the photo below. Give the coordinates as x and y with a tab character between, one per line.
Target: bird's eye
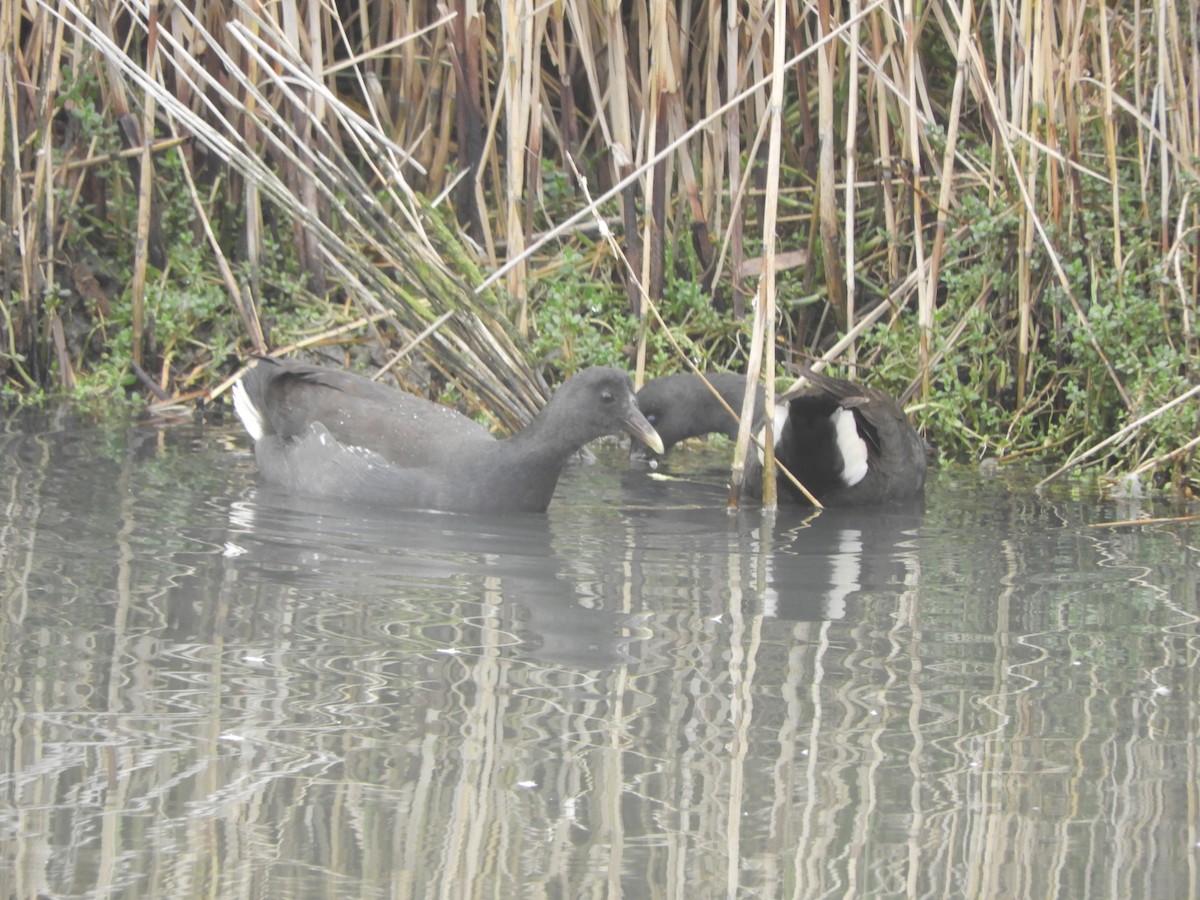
606	397
652	418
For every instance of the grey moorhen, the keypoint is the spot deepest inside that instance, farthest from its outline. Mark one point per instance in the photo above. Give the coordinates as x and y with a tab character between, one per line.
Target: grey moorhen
849	444
328	433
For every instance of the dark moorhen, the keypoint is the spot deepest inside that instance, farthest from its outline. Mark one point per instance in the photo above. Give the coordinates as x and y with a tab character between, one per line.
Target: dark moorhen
849	444
327	433
681	407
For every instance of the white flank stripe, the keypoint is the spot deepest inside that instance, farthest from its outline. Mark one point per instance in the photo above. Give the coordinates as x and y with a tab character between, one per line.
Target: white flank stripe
852	447
250	415
780	419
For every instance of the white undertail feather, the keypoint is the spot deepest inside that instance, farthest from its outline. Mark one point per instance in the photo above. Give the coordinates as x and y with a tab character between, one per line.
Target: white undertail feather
853	448
777	422
251	415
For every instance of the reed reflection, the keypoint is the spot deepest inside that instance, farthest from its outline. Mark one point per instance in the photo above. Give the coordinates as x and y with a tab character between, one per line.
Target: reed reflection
208	692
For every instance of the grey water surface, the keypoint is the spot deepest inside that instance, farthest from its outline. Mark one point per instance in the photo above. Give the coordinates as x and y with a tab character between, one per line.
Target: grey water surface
208	690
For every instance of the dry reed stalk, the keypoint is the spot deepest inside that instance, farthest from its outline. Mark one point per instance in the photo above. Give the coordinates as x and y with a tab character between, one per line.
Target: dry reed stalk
1164	95
45	207
1175	257
662	77
713	159
850	174
1140	103
469	109
531	158
1031	92
254	227
1192	75
299	32
425	115
765	310
733	138
1185	110
882	38
1157	520
950	339
756	68
619	98
521	32
15	268
12	272
693	189
1109	128
141	255
1148	127
830	227
911	144
964	19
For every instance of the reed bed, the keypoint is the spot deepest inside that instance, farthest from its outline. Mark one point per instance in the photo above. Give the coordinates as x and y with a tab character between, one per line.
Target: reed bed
991	205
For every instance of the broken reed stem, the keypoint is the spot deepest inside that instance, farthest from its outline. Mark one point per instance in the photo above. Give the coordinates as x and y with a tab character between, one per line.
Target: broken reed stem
160	145
1161	520
315	339
403	352
1167	457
